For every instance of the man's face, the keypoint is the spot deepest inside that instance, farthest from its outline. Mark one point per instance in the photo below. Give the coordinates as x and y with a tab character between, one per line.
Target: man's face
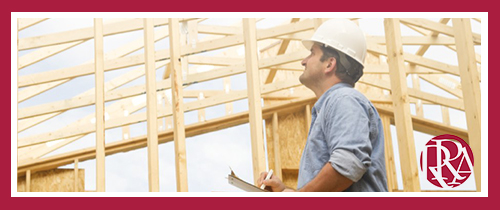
314	68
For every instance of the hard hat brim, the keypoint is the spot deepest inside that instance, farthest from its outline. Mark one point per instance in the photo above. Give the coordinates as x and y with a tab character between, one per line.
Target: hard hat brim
308	43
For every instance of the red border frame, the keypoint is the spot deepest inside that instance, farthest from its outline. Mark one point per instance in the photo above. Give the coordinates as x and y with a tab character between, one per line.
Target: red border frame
254	203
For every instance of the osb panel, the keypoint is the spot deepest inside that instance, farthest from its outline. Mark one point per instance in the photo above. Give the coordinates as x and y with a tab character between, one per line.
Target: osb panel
55	180
290	178
292	134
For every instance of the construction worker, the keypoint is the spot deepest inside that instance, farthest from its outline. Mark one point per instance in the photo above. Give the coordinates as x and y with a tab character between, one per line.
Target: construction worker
345	146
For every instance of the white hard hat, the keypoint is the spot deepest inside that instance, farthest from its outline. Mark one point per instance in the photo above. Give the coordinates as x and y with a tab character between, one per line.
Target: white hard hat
342	35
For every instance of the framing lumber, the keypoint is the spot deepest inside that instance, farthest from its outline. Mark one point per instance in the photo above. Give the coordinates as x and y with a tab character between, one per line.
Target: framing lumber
86	33
166	136
416	85
276	142
152	127
470	87
390	166
83	127
24	23
178	106
45	52
445	115
113	64
284	107
99	104
282	49
254	98
28	181
227	89
117	53
76	175
449	102
417	60
401	105
437	27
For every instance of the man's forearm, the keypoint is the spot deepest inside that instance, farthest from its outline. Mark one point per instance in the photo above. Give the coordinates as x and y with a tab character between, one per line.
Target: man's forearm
327	180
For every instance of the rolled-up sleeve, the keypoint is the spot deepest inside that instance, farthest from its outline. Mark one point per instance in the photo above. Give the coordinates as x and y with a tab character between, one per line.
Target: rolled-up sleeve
347	131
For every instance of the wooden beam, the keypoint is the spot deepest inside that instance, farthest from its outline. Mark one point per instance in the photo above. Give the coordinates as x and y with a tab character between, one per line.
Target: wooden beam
76	175
282	49
433	98
392	181
99	104
277	147
166	136
438	27
86	33
419	109
45	52
308	118
82	128
470	87
227	89
285	107
446	83
415	40
86	69
152	127
254	98
417	60
178	106
28	181
28	22
434	34
445	115
86	100
108	86
402	114
116	53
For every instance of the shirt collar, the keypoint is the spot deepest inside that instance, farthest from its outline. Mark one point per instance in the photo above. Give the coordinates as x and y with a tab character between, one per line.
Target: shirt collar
323	97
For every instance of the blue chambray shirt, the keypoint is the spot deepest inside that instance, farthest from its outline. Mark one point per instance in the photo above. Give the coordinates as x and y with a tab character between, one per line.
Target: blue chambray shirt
346	131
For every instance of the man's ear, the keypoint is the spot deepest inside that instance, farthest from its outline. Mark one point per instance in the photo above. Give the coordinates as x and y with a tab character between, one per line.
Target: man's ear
332	63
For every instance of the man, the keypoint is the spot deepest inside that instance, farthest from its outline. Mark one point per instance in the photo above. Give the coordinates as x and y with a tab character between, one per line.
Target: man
345	146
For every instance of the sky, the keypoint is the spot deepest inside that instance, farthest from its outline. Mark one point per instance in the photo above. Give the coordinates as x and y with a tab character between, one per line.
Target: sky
209	155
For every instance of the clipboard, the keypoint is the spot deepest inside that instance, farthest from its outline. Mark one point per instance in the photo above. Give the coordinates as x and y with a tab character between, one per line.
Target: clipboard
239	183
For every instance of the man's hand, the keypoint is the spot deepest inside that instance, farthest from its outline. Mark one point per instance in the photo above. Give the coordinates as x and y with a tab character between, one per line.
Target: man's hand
273	184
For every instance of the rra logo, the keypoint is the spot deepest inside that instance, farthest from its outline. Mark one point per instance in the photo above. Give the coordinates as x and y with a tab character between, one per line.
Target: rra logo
446	161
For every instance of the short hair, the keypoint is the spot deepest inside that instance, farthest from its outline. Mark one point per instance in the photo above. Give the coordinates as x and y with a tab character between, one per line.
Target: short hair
349	76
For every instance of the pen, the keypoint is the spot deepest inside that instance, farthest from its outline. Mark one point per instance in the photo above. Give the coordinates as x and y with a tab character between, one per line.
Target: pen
267	177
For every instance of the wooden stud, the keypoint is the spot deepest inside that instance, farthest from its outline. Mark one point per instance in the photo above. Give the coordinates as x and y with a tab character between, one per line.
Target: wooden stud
254	98
400	97
392	182
416	85
99	104
76	175
178	106
227	89
308	118
470	87
277	147
152	130
446	115
28	181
